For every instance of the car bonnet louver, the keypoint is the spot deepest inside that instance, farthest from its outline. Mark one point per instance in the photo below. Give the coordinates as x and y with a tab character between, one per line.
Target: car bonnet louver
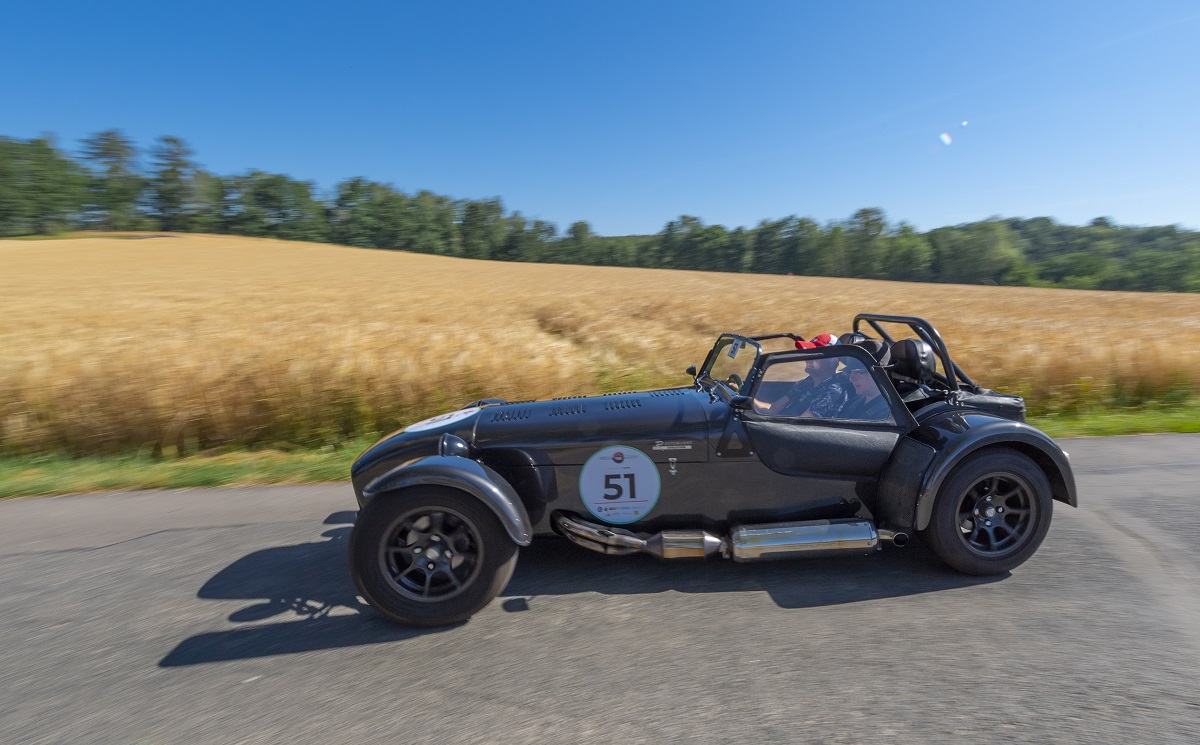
616	404
568	409
509	415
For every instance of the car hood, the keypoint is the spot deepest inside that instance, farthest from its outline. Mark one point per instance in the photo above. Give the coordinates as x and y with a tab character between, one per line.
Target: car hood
669	423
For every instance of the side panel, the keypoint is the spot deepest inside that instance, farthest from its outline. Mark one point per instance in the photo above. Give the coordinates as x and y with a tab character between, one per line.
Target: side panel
466	475
805	448
716	494
530	472
901	482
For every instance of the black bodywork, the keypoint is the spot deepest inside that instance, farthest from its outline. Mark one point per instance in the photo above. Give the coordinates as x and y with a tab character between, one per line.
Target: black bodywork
719	462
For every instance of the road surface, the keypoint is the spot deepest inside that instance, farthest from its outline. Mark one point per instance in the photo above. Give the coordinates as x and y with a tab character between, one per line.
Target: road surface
228	616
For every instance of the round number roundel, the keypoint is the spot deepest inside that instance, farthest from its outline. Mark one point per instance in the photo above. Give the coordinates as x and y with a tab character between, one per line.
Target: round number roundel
619	484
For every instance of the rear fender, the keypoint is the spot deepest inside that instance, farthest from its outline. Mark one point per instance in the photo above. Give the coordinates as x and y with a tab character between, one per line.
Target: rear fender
463	474
959	436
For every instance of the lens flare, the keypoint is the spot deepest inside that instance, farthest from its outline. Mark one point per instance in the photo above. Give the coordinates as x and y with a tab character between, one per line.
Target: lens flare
945	138
964	122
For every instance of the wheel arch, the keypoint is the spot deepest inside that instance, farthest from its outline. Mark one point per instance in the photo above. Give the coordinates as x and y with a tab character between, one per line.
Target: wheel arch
997	435
462	474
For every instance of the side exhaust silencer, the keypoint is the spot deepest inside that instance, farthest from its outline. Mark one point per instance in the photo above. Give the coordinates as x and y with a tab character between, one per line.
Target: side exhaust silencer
746	543
812	538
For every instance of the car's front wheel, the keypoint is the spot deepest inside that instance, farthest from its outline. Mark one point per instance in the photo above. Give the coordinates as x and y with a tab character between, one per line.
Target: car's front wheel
991	514
430	556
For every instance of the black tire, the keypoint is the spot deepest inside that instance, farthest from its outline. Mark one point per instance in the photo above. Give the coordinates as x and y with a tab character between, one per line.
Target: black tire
470	556
991	514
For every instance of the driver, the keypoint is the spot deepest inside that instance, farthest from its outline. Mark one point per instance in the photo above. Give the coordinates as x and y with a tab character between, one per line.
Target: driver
821	393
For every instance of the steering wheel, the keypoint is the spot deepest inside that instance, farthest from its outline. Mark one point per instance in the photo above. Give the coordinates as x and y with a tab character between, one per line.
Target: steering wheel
734	381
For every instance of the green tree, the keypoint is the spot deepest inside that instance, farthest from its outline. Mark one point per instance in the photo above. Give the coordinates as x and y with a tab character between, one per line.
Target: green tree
982	252
116	183
211	201
576	246
171	184
768	248
482	228
865	243
435	225
807	249
907	256
351	223
41	190
535	242
834	250
274	206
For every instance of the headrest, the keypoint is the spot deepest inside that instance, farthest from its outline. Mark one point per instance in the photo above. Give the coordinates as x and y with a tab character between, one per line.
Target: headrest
913	358
853	337
877	349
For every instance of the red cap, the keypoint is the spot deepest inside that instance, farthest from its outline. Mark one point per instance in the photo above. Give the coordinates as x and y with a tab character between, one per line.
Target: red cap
820	340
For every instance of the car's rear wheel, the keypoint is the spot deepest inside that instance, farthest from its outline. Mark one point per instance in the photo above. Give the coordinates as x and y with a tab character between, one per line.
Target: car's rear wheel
991	514
430	556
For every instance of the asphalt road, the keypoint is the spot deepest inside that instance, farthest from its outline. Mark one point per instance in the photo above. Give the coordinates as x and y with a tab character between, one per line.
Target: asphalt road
228	616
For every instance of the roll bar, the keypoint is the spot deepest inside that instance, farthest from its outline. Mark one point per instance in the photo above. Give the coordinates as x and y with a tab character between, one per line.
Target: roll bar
925	330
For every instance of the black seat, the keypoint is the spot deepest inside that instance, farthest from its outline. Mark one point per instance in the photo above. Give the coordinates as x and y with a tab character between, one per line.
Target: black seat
878	350
912	367
913	359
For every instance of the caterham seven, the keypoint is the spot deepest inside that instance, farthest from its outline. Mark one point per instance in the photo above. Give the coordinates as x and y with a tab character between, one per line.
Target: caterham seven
780	447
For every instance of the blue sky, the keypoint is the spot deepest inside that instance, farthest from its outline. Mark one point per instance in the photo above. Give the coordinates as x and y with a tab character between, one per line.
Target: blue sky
628	114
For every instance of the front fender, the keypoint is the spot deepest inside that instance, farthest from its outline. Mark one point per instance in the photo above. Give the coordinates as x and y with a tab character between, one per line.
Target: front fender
466	475
959	435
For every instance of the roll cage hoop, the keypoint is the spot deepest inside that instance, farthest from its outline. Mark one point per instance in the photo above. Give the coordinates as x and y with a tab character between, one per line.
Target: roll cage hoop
925	330
919	326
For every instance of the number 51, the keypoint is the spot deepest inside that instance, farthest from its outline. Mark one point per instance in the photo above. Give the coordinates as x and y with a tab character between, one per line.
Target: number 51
613	488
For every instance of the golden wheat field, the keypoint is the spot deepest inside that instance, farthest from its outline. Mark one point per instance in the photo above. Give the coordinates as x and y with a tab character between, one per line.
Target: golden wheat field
178	343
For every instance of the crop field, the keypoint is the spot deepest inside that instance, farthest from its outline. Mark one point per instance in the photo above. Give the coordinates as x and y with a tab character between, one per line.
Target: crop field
179	344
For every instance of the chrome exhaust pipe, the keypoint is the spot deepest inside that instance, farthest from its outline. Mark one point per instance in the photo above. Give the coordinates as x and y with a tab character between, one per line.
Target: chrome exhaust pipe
897	538
669	544
684	544
811	538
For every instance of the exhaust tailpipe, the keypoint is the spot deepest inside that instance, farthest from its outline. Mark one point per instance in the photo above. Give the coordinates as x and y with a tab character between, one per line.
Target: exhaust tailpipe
897	538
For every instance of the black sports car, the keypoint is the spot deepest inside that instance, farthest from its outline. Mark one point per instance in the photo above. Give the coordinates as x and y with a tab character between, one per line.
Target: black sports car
781	447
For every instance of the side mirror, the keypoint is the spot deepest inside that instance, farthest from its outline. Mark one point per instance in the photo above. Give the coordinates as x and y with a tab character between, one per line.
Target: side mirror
743	403
691	370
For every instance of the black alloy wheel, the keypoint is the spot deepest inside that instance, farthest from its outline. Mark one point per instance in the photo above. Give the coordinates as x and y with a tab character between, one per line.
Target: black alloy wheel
991	513
430	556
996	515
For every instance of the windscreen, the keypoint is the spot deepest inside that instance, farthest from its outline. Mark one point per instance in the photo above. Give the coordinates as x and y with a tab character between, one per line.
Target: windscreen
732	360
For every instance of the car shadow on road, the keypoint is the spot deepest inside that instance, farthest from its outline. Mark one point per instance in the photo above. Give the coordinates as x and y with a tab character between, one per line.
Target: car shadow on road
558	568
312	581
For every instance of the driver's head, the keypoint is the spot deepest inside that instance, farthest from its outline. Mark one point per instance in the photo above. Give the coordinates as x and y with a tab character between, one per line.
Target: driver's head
820	368
824	367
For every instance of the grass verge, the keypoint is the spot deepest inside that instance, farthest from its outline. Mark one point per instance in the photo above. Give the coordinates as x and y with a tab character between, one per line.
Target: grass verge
39	475
1152	419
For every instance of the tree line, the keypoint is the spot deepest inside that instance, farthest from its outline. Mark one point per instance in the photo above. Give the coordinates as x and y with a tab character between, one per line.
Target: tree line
111	184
